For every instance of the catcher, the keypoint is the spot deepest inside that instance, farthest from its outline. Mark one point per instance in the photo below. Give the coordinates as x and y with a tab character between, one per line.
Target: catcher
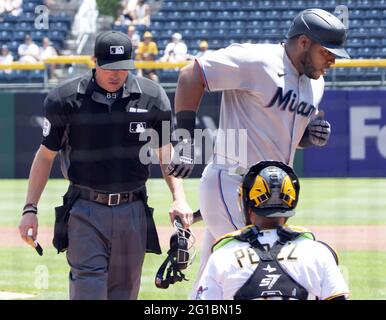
268	260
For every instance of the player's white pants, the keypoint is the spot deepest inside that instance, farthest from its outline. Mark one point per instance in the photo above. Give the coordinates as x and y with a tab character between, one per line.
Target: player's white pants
219	209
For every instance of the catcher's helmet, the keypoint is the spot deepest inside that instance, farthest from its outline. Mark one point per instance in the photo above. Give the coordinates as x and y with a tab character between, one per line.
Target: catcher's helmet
323	27
270	189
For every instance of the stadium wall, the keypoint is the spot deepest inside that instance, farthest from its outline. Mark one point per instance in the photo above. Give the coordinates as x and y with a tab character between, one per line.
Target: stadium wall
357	147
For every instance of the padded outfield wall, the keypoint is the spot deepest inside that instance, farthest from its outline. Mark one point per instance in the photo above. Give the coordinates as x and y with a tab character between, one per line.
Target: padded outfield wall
357	147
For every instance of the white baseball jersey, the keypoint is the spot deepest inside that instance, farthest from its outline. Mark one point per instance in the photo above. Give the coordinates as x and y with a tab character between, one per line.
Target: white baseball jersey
264	94
309	263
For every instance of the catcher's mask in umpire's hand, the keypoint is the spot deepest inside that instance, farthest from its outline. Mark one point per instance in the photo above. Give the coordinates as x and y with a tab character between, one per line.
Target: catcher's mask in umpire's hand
180	255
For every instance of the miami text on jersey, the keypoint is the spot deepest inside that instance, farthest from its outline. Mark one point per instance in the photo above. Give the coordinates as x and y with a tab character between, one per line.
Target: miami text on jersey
303	108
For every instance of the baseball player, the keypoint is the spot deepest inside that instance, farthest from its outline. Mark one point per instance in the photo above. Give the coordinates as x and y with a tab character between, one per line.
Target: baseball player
270	90
267	260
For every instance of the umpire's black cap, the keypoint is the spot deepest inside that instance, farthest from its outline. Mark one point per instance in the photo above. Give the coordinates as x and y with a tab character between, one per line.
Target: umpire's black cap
323	27
113	51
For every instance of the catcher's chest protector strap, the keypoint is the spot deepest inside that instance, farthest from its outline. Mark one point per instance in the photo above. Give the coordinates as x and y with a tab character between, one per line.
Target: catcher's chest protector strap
270	279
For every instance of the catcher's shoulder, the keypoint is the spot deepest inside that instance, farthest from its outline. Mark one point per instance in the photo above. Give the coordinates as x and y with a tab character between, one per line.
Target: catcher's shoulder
227	238
305	233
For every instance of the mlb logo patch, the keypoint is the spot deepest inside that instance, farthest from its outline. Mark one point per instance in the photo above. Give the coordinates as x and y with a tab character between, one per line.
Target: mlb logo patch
137	127
117	50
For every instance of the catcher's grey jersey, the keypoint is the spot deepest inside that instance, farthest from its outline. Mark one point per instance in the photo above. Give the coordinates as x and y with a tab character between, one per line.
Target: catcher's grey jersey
264	94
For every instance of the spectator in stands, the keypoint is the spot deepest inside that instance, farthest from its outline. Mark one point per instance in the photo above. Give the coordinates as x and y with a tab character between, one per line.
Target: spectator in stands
142	13
49	3
13	7
5	58
125	15
134	37
176	50
48	51
28	51
203	46
147	51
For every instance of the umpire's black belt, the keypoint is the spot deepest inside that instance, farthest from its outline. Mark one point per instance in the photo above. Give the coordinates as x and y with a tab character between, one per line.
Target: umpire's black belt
108	199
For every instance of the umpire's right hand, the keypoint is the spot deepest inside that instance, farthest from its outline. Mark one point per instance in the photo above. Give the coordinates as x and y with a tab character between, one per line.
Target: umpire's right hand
182	162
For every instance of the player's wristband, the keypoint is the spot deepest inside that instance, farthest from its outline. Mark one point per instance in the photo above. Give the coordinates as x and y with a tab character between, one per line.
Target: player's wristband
186	119
30	208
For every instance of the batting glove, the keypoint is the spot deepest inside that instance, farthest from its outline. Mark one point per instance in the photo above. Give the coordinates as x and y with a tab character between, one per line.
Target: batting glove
182	163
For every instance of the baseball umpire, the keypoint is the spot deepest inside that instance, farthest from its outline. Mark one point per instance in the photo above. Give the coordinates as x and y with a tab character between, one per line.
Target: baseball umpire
94	122
267	260
270	90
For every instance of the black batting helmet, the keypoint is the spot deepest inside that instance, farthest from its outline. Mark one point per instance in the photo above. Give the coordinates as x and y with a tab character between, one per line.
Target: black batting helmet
322	27
270	189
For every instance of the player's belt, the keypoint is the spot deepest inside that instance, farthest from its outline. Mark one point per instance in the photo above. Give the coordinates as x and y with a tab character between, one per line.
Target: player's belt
108	199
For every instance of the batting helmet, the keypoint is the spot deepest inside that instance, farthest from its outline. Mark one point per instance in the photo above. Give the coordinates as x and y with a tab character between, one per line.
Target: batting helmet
322	27
270	189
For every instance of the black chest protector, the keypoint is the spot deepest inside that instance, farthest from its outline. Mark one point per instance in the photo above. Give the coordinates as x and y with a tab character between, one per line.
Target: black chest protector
270	279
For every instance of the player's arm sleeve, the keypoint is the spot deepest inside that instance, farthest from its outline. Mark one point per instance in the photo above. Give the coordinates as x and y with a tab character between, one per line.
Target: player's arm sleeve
227	69
209	287
54	123
333	284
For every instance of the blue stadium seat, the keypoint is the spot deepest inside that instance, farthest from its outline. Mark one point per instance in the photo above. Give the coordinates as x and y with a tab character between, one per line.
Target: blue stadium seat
273	14
354	42
207	15
233	5
266	4
237	33
289	14
224	15
19	35
283	4
24	26
37	36
255	24
355	23
220	24
240	14
6	26
28	6
298	4
216	5
257	15
200	5
238	24
381	52
4	35
371	23
371	42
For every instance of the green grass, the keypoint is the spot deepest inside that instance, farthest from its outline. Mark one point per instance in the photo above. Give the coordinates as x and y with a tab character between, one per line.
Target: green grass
22	270
322	201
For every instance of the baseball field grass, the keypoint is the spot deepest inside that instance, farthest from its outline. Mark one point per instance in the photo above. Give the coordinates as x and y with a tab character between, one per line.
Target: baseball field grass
324	202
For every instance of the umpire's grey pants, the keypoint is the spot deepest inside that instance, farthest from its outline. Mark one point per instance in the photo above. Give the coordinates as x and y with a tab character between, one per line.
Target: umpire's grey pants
106	250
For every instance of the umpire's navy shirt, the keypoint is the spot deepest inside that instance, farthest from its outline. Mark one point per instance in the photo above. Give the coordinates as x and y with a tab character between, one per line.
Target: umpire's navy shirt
97	132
